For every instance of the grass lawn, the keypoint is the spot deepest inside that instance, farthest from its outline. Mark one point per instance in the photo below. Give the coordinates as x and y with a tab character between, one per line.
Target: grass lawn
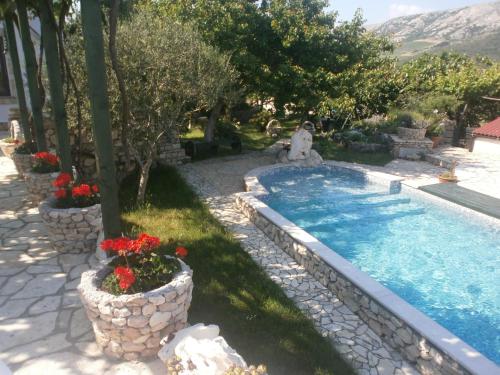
255	140
255	316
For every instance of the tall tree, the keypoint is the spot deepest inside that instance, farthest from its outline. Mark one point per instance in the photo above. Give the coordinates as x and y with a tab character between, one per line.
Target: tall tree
124	118
31	72
16	67
49	37
96	71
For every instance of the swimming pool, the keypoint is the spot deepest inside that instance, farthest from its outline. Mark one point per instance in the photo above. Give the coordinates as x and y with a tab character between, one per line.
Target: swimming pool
440	261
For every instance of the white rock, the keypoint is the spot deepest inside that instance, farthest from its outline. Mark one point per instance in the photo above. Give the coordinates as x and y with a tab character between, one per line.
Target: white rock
159	317
301	144
203	346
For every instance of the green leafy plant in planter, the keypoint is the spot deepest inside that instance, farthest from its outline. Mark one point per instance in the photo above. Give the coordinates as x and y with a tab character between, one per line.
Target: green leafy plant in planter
70	194
138	266
45	162
26	148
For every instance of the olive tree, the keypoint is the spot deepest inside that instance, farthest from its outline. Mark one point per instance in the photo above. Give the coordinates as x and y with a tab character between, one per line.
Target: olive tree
169	70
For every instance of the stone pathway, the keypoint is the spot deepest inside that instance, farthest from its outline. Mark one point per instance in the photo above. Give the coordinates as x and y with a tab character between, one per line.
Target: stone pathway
43	327
348	333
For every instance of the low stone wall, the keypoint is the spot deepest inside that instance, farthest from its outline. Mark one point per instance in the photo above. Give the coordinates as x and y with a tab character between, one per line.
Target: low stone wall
40	185
131	326
71	230
411	149
411	134
23	163
422	342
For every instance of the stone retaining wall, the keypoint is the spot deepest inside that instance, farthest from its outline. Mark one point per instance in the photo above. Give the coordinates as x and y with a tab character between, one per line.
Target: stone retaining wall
411	149
40	185
415	348
71	230
131	326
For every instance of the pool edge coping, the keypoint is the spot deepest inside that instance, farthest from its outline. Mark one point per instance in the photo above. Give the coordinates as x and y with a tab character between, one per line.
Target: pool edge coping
461	352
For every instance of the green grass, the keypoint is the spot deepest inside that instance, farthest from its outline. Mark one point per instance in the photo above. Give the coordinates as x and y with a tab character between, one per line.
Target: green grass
254	314
333	151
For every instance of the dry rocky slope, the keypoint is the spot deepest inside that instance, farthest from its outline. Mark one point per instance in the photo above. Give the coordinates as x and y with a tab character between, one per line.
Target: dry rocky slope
473	30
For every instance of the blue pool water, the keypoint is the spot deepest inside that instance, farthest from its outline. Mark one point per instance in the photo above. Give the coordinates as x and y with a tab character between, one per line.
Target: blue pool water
445	264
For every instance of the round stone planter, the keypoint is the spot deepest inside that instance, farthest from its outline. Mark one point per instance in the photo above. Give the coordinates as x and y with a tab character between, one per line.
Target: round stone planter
410	133
7	148
71	230
40	185
23	163
131	326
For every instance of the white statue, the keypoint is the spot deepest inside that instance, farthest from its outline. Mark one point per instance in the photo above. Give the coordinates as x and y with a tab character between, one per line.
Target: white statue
199	350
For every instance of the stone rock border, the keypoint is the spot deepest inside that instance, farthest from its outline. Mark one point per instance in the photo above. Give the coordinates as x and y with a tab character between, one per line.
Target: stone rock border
411	133
23	163
71	230
7	148
131	326
40	185
423	342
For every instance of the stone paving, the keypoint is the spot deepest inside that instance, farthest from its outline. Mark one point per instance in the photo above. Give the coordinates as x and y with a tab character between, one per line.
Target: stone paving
349	334
43	327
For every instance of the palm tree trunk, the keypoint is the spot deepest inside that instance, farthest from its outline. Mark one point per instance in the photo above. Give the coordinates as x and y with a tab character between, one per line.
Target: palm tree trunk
18	78
49	32
94	55
31	72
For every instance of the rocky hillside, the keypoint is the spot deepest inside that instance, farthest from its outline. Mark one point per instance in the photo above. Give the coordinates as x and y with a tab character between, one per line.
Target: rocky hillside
473	30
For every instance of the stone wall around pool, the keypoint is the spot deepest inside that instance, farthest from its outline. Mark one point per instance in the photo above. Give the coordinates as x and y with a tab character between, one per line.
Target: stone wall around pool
424	343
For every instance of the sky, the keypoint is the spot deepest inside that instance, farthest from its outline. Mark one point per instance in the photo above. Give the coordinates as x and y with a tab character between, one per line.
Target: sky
377	11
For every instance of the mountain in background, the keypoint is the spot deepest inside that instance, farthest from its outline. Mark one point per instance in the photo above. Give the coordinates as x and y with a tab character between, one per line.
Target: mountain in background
472	30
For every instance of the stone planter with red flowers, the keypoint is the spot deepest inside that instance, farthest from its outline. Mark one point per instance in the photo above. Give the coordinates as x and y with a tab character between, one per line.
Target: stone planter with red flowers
8	146
73	215
140	297
39	179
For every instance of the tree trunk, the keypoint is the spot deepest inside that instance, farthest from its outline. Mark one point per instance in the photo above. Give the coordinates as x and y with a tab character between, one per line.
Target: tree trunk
98	95
209	133
113	19
31	72
16	67
144	178
49	32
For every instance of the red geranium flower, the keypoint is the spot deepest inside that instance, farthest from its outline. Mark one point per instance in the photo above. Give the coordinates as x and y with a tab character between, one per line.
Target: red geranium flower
144	242
62	180
17	141
60	194
181	252
82	190
47	157
107	245
95	189
125	277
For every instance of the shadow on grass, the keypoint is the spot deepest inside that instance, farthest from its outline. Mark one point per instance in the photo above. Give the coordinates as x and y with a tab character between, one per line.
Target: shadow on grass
254	314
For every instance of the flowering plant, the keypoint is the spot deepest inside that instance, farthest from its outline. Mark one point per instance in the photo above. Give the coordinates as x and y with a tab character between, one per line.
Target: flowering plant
138	265
45	162
11	140
70	194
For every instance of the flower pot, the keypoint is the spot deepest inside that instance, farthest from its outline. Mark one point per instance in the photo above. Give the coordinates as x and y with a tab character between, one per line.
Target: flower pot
447	179
40	185
411	133
23	163
436	141
131	326
7	148
71	230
